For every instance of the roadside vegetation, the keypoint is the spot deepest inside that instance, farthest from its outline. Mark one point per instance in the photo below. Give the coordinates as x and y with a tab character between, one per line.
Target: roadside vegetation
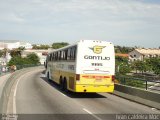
17	59
151	65
30	59
123	66
45	47
55	45
59	45
123	49
136	73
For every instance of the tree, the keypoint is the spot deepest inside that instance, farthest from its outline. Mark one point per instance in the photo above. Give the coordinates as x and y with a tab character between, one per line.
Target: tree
140	66
59	45
122	65
17	51
21	48
119	49
40	46
33	58
1	53
4	52
124	69
34	46
148	64
155	65
17	60
120	59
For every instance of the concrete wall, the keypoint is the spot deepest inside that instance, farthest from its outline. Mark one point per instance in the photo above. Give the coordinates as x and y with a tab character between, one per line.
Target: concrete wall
145	97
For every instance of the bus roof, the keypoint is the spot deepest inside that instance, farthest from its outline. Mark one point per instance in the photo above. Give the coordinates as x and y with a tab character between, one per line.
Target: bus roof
68	46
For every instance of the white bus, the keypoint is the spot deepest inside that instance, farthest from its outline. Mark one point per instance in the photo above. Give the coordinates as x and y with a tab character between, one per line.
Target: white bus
87	66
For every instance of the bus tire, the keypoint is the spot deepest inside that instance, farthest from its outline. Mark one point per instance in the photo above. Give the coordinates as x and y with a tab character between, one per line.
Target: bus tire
61	83
48	77
65	85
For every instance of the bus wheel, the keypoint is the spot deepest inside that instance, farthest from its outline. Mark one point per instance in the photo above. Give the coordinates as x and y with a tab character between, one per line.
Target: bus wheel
48	77
65	86
61	83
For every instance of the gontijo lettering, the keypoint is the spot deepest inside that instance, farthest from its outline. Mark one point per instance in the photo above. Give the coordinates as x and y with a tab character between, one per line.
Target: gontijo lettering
96	57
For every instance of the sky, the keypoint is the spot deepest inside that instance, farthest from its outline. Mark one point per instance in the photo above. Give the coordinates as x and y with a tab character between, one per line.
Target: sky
123	22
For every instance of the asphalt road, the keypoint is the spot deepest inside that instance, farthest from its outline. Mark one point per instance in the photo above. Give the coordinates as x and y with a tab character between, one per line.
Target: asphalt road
32	95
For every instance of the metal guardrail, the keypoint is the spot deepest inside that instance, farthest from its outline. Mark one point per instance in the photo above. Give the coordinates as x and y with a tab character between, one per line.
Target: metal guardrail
145	83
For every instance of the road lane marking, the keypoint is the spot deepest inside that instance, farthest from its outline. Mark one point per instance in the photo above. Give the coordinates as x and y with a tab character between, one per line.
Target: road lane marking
92	114
14	96
15	93
11	105
87	111
62	94
154	109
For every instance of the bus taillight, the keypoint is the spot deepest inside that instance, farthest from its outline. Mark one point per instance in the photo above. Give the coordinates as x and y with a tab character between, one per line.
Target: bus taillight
77	77
113	78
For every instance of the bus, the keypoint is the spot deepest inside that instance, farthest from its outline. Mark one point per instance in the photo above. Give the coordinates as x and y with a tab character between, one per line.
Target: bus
87	66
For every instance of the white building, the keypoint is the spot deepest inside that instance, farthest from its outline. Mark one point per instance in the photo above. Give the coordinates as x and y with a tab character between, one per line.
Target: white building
40	53
12	44
140	54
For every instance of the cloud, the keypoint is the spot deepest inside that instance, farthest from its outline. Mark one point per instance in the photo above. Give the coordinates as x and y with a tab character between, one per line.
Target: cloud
12	17
117	20
36	10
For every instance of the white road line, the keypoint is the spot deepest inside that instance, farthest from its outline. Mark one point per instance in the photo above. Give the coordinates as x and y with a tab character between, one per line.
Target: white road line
14	97
154	109
87	111
62	94
14	89
92	114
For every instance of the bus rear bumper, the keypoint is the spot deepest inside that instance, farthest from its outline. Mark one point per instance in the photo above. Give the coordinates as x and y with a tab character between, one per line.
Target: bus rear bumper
94	88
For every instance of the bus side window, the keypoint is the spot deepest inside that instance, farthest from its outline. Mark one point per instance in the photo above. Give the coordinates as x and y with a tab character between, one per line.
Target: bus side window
56	56
75	52
63	55
69	54
66	53
53	56
50	57
59	55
